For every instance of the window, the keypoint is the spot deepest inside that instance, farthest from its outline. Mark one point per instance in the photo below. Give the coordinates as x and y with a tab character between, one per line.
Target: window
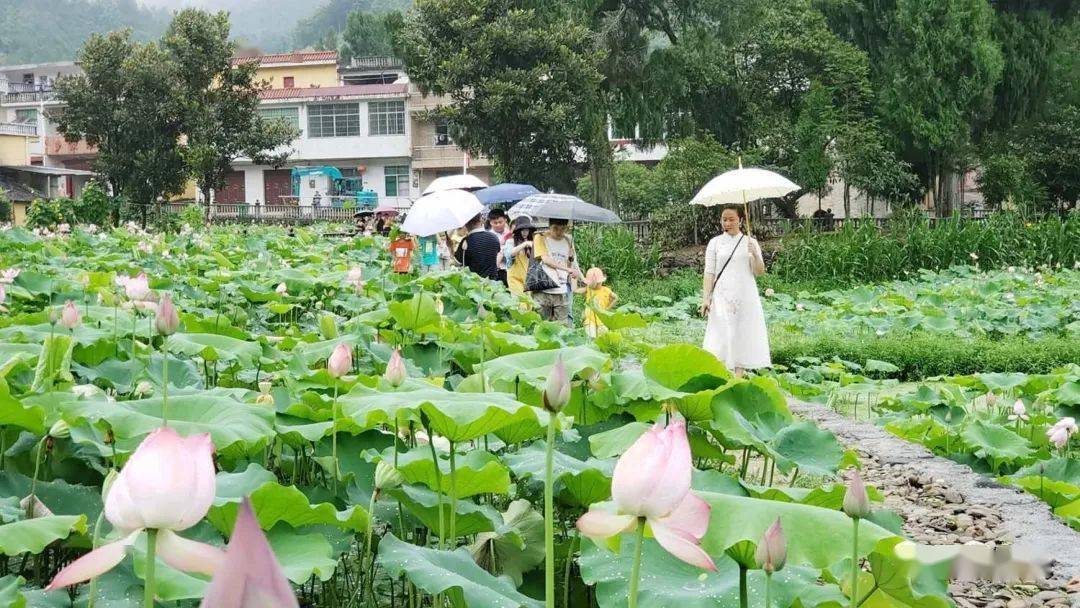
26	116
397	180
289	82
28	79
291	116
386	118
334	120
623	132
442	133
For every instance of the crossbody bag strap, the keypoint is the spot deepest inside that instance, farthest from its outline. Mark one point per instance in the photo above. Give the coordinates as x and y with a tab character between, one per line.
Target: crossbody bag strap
724	267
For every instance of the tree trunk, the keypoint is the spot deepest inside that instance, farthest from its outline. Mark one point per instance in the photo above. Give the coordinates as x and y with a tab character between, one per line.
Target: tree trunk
206	201
602	168
847	200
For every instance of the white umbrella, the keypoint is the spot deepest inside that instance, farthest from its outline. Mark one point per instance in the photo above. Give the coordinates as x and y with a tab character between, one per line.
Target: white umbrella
441	211
455	182
743	185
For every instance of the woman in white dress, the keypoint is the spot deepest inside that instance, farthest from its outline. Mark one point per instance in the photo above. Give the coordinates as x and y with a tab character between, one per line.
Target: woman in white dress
735	332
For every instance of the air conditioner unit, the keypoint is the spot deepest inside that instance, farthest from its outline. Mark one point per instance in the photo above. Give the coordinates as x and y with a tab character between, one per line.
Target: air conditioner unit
442	139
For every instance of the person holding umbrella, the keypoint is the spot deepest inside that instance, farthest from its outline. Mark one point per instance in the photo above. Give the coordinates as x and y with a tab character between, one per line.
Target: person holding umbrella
517	251
735	331
556	250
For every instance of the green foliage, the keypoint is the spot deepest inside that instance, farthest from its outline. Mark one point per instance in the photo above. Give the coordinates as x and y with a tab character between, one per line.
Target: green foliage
23	43
1006	181
639	189
520	81
368	35
50	213
93	206
862	252
5	208
615	250
925	354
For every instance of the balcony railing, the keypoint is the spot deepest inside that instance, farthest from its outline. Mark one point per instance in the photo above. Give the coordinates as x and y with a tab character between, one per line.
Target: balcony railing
449	155
16	92
18	128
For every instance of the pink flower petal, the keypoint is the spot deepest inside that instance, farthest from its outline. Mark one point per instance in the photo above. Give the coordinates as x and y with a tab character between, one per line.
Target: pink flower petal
598	524
637	472
674	476
250	576
691	517
97	562
681	546
168	482
188	555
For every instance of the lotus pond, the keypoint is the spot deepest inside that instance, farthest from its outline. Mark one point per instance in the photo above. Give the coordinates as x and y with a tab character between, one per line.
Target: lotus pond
393	435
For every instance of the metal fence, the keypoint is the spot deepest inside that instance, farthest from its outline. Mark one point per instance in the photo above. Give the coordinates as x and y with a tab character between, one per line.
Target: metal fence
243	213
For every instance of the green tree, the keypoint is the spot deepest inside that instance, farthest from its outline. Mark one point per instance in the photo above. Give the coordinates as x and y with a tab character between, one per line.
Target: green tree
367	35
220	102
519	80
126	105
639	191
936	81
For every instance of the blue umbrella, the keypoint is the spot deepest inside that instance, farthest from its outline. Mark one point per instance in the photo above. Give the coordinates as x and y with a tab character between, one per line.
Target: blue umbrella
504	193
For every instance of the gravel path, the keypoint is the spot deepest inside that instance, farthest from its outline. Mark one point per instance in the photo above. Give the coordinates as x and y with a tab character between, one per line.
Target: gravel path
943	502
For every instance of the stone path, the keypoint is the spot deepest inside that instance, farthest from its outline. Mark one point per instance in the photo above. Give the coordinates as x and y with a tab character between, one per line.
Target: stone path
943	502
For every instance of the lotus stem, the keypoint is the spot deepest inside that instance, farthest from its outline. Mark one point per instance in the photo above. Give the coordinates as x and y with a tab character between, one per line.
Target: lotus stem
33	483
744	596
438	477
855	563
367	543
333	438
635	570
164	386
151	559
549	522
453	494
768	588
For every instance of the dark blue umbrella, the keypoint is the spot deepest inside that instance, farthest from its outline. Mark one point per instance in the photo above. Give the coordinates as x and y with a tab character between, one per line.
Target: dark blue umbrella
504	193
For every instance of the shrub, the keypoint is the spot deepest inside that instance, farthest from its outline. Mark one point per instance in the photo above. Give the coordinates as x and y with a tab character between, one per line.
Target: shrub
5	208
93	206
49	213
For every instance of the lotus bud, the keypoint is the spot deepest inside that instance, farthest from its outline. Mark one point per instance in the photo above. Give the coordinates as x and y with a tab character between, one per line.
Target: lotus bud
340	361
1019	411
856	500
991	399
557	389
396	373
264	387
386	476
772	551
54	316
438	304
69	317
167	321
60	430
143	388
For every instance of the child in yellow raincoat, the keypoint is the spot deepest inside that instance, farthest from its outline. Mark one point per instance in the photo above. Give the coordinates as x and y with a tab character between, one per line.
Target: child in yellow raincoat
597	297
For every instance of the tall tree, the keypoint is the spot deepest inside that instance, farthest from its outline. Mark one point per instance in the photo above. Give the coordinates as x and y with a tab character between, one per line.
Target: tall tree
367	35
125	104
220	102
520	81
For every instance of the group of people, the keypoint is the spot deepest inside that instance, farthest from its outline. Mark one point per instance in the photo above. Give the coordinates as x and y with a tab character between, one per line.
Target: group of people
504	251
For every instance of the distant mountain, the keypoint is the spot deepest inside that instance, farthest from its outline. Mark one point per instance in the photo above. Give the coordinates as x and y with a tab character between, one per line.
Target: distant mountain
54	30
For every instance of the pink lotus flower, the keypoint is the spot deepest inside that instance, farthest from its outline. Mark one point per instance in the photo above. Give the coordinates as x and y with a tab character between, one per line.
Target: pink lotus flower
8	275
136	288
355	277
991	398
557	390
652	481
1062	430
167	321
772	551
250	575
856	500
167	485
3	294
396	374
282	289
1019	412
340	361
69	317
770	292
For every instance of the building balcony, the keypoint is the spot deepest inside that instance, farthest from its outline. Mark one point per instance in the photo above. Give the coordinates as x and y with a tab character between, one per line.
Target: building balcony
18	128
57	146
17	92
441	157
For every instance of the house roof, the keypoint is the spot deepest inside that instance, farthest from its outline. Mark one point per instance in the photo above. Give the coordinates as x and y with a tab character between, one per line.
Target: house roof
291	58
354	90
16	192
48	170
